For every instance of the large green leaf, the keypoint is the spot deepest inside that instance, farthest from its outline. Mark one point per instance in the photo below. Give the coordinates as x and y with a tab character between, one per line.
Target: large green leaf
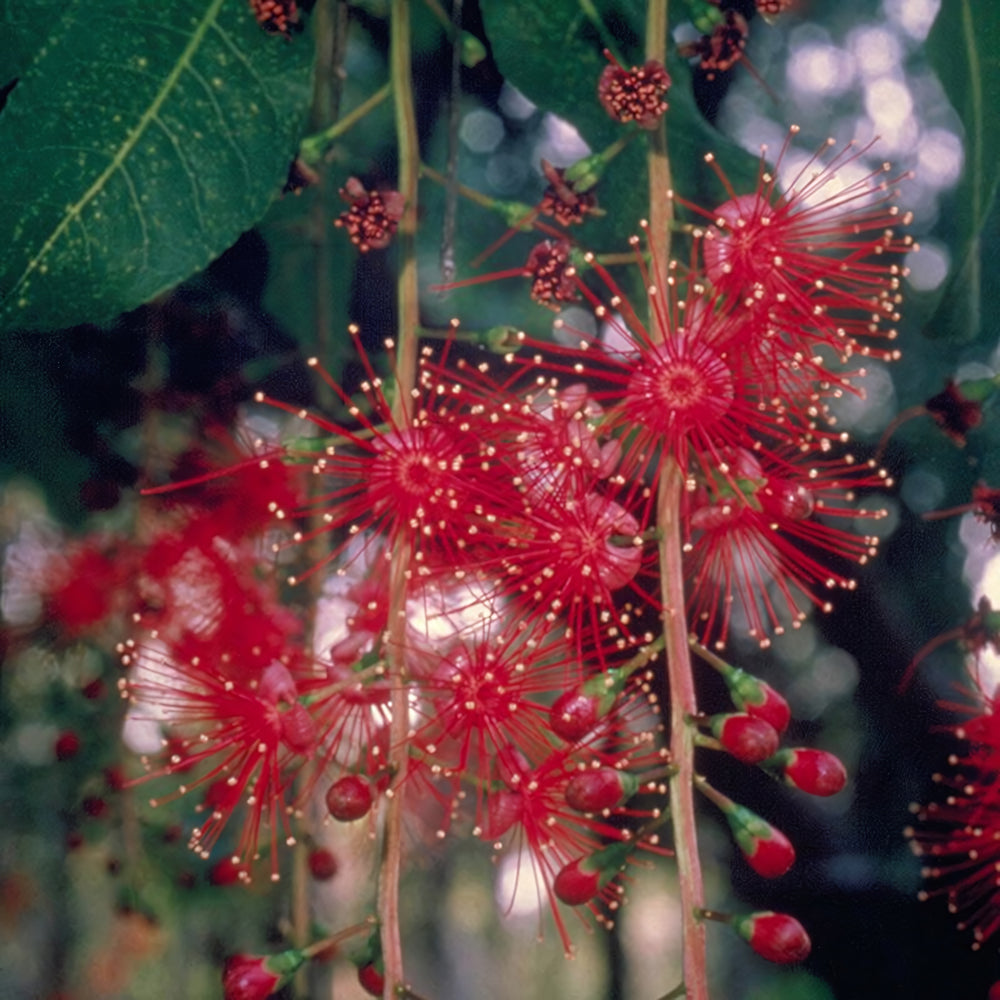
138	144
963	48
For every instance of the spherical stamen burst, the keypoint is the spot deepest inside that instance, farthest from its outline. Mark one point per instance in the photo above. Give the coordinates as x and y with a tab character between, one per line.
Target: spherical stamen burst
762	531
679	386
958	838
429	479
819	252
242	738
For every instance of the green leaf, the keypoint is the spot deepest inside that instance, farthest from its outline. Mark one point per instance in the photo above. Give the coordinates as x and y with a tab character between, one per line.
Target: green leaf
962	47
528	39
138	145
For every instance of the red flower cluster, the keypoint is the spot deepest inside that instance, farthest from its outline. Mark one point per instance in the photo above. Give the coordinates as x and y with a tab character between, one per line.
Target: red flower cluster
521	490
958	837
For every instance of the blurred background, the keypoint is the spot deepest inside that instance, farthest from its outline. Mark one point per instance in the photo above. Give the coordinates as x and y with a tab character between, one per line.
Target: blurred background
99	896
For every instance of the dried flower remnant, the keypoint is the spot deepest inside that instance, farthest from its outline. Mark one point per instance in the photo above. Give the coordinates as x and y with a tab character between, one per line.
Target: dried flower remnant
372	217
279	17
984	506
982	629
562	199
720	51
636	94
548	266
954	412
770	9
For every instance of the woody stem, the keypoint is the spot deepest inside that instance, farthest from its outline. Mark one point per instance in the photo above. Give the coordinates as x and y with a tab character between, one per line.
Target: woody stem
406	348
680	682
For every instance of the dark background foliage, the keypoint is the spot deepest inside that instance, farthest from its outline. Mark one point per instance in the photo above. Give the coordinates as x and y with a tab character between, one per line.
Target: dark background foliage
81	884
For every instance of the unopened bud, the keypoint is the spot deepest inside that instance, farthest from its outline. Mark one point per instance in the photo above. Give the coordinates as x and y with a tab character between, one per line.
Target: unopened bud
777	937
747	738
814	771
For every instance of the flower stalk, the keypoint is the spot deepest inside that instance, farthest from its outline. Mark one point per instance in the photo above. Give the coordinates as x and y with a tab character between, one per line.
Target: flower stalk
407	292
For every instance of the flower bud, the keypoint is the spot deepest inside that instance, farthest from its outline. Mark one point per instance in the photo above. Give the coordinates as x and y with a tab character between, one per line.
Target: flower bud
582	879
777	937
757	698
297	727
767	850
323	864
814	771
575	713
747	738
600	788
256	977
349	798
371	979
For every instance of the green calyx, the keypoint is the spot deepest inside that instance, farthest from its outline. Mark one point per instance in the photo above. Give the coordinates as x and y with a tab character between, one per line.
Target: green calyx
608	861
285	964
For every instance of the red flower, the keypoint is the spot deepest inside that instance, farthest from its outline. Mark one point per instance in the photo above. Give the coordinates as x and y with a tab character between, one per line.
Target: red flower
820	251
243	732
958	837
435	480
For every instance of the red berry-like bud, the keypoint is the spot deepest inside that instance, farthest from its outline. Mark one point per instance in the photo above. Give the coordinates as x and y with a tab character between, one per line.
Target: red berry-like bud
575	885
349	798
814	771
767	850
746	737
227	871
323	864
994	993
371	979
600	788
573	715
757	698
775	936
256	977
583	878
67	745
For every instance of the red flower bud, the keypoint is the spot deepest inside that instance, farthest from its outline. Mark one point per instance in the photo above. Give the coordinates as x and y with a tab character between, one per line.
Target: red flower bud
600	788
775	936
349	798
573	715
227	871
575	885
582	879
747	738
504	808
371	979
994	993
67	745
771	707
767	850
256	977
323	864
814	771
